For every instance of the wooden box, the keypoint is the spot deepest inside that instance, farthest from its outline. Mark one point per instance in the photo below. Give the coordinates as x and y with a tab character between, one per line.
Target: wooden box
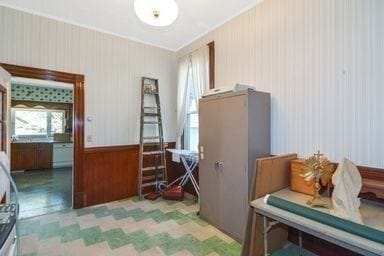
298	184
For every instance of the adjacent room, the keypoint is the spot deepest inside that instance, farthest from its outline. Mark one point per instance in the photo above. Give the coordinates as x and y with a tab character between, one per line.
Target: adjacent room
178	127
41	144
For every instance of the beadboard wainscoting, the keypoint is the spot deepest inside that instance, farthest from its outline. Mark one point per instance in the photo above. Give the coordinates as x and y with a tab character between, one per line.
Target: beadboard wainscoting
110	173
112	67
323	63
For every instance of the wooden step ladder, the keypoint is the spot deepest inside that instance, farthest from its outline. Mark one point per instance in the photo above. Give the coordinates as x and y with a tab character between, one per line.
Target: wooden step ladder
152	163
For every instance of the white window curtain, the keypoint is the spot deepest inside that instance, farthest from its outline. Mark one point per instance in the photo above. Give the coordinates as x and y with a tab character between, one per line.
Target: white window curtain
198	61
200	72
181	97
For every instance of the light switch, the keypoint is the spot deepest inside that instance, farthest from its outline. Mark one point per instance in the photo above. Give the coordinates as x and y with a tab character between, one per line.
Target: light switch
201	156
201	149
89	138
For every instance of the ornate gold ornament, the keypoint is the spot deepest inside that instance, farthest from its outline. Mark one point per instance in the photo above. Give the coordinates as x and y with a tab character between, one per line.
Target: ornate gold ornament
315	169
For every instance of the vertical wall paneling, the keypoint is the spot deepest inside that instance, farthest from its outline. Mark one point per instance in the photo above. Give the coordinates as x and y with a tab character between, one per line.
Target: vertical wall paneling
112	67
322	61
111	173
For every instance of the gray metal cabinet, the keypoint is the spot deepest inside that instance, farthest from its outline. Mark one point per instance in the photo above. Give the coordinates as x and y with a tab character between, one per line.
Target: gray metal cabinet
234	131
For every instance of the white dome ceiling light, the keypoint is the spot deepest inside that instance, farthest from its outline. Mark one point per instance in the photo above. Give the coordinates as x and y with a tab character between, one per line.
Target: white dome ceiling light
158	13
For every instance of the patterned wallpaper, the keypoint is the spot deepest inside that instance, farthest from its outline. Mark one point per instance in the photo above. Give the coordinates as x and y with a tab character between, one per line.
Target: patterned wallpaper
32	93
112	67
322	61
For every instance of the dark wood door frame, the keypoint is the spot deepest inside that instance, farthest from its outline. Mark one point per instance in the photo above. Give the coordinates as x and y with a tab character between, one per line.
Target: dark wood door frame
3	117
78	117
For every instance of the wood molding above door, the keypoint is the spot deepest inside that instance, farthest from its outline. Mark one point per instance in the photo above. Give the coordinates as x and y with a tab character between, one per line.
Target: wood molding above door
78	117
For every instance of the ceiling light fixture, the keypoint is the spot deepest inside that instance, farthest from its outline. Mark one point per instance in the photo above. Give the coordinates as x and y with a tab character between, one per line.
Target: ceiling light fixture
157	13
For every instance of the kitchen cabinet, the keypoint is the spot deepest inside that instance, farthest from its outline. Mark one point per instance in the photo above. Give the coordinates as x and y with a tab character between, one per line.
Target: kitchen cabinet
31	156
234	130
44	155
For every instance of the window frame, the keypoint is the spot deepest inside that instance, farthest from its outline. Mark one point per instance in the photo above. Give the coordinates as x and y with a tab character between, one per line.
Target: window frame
48	120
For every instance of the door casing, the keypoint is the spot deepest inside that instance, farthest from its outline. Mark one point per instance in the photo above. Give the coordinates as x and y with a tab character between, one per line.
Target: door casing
78	117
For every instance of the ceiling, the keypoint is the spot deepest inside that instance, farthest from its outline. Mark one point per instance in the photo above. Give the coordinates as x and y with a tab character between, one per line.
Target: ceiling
196	17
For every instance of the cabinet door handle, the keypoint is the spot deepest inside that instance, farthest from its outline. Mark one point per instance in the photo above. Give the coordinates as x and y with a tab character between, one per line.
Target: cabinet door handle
218	166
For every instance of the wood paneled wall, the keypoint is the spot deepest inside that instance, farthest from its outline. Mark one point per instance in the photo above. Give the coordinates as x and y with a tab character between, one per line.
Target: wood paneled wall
176	170
109	173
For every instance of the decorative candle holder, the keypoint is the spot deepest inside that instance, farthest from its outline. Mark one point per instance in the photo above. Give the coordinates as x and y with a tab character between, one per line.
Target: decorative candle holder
314	169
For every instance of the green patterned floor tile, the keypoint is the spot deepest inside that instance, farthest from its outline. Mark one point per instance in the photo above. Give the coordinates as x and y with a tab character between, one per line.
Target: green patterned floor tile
70	233
195	218
101	211
157	216
98	211
161	238
221	247
119	213
140	240
116	238
28	227
137	214
49	230
195	246
83	211
92	236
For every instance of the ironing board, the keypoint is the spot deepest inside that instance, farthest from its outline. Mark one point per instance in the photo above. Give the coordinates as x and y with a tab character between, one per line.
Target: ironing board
190	160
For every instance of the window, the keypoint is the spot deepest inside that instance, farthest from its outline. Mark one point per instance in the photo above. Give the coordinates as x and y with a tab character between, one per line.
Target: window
37	122
191	130
197	68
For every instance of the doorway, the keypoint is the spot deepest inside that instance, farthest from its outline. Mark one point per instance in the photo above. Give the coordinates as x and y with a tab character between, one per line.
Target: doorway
41	154
77	81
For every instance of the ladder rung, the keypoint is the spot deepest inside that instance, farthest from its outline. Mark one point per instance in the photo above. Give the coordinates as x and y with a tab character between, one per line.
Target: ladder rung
152	138
151	107
152	177
151	114
150	184
152	168
152	122
151	144
148	153
151	93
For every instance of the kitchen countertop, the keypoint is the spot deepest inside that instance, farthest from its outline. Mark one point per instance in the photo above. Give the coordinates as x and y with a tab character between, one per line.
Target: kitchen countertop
43	141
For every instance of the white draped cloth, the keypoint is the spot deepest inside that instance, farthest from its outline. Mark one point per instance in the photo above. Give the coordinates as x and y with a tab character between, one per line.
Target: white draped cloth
184	64
347	182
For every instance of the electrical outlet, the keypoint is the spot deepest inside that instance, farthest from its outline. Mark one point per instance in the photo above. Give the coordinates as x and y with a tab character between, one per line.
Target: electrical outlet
89	138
